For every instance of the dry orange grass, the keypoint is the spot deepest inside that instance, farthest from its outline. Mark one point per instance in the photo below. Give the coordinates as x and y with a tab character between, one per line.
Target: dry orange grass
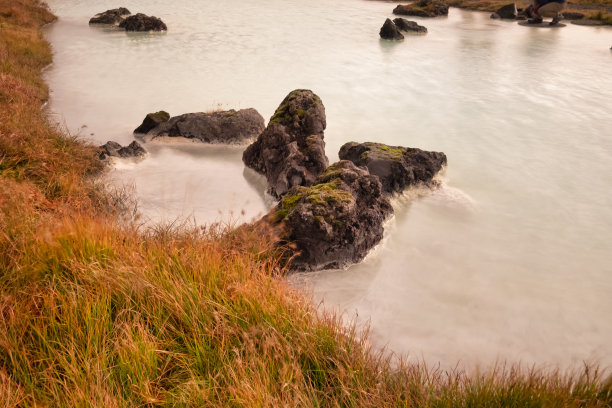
97	313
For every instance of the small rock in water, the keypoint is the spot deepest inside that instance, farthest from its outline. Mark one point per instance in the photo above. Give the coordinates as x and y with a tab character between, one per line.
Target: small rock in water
397	167
407	25
142	22
495	16
114	149
229	127
114	16
389	31
152	120
572	15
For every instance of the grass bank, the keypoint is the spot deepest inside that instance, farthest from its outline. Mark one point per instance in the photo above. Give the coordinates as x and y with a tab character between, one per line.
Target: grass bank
95	312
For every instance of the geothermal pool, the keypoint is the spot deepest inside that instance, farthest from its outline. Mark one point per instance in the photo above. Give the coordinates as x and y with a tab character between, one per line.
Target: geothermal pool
509	260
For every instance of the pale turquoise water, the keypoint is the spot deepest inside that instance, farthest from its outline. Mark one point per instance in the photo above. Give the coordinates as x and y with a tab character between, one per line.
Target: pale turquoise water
510	260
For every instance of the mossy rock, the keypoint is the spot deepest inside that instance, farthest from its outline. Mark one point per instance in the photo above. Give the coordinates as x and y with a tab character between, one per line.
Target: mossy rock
152	120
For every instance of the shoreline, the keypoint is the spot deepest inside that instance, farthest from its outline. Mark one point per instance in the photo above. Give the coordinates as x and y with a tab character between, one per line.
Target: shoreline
99	312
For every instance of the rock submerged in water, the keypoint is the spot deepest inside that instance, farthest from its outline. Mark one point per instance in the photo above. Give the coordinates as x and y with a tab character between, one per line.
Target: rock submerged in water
406	25
291	151
397	167
336	221
231	127
389	31
142	22
114	16
422	8
114	149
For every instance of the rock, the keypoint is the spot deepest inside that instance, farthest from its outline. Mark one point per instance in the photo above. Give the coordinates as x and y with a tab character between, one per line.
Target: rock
336	221
572	15
231	127
291	151
397	167
406	25
508	11
142	22
495	16
389	31
152	120
114	149
423	8
114	16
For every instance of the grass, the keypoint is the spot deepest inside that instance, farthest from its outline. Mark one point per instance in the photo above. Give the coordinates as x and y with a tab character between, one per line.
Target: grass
95	312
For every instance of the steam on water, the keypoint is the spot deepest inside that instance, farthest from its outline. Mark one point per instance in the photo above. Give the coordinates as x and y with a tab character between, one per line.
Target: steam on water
509	260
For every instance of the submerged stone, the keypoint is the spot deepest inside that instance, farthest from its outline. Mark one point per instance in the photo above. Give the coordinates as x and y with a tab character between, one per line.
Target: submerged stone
142	22
114	149
406	25
114	16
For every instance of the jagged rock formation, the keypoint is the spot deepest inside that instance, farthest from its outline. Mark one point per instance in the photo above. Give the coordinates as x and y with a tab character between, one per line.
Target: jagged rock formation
334	222
291	151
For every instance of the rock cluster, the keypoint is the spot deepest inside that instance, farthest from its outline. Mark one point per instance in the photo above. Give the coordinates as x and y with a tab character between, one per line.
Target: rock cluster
230	127
114	149
423	8
291	151
397	167
334	222
123	18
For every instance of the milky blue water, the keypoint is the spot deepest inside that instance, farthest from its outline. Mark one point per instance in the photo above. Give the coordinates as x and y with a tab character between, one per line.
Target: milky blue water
510	260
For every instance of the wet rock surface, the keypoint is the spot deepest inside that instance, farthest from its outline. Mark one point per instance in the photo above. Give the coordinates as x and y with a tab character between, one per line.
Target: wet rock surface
142	22
152	120
389	31
334	222
114	16
406	25
231	127
114	149
422	8
291	151
572	15
397	167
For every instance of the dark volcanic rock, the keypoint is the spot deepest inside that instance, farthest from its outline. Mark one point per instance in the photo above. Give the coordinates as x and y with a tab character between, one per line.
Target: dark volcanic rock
233	127
291	151
508	11
336	221
142	22
406	25
152	120
423	8
114	16
389	31
397	167
114	149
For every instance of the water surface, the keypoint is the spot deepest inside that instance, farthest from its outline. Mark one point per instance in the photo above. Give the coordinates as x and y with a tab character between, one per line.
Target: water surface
509	260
